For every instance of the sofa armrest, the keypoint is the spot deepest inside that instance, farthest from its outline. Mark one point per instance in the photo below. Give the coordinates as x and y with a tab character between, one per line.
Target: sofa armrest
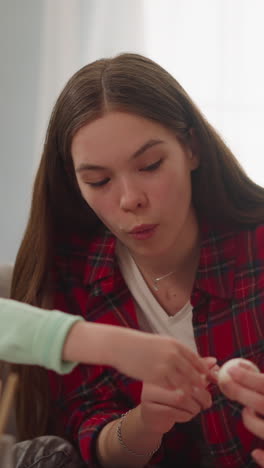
6	271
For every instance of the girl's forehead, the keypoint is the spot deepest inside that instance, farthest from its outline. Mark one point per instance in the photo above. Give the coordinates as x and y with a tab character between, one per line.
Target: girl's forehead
118	129
98	150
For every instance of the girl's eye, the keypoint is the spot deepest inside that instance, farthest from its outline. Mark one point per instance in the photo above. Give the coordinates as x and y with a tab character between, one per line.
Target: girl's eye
100	183
153	167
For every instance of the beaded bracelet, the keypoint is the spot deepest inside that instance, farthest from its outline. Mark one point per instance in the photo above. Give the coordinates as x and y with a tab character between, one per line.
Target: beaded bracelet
120	438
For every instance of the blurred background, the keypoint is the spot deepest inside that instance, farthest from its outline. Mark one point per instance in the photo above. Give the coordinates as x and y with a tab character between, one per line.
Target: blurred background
214	48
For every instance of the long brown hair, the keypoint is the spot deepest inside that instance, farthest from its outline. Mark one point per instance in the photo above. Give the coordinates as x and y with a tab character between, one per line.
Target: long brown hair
128	83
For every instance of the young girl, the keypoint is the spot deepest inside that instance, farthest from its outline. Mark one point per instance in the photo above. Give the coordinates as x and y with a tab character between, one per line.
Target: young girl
142	217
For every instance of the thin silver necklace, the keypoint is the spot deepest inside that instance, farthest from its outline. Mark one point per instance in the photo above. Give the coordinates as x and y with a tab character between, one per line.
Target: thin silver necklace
156	280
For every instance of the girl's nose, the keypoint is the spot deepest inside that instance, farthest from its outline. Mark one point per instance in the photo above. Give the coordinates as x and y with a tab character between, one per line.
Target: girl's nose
132	198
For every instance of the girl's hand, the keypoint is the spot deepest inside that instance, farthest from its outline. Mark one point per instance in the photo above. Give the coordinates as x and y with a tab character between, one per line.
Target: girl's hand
247	387
162	407
175	380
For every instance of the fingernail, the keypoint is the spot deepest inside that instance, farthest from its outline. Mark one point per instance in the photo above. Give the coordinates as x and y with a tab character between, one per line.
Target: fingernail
203	379
179	392
247	366
233	371
213	359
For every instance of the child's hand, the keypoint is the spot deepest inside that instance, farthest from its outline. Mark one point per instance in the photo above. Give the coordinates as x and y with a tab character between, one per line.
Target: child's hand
154	359
213	369
159	359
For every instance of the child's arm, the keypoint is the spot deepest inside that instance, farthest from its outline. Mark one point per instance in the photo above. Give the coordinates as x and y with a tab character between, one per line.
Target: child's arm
58	341
143	356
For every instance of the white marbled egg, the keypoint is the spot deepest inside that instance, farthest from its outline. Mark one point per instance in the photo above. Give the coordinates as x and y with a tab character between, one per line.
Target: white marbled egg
224	376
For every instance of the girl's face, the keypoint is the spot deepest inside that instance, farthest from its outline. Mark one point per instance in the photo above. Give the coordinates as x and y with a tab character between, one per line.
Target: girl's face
136	176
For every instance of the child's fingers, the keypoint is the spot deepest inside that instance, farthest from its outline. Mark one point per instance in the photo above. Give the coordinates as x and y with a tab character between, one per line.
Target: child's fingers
210	361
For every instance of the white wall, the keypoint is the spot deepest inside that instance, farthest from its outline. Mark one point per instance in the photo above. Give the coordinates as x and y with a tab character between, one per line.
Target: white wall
20	24
42	43
214	48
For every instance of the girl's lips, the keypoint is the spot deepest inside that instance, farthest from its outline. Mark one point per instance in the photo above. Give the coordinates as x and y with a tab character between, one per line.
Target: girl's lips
143	232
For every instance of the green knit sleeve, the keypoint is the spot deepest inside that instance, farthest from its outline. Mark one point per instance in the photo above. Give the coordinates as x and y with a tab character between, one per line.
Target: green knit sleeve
29	335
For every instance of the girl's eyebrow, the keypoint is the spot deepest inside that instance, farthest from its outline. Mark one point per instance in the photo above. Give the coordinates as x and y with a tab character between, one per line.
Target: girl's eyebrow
94	167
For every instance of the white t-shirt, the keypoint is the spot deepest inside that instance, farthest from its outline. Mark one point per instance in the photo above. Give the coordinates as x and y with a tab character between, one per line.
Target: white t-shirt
151	316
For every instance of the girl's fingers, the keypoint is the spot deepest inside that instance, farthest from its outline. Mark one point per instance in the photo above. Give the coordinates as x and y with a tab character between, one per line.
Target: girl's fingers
202	397
253	422
180	398
164	416
181	416
184	402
